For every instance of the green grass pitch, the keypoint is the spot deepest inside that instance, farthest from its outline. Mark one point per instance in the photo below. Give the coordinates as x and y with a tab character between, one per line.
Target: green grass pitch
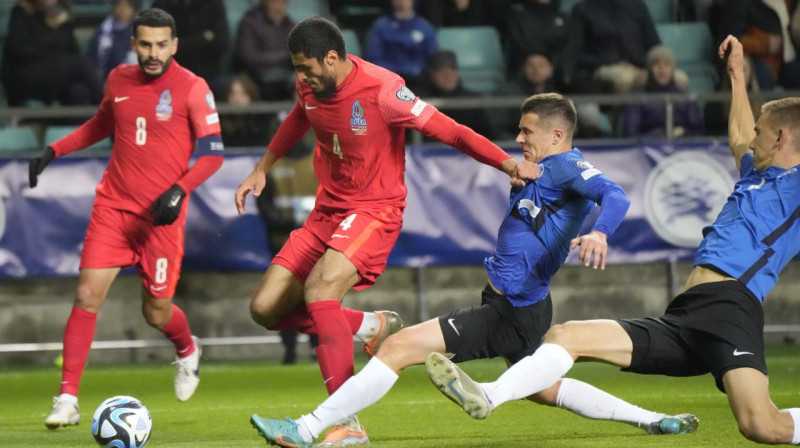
413	414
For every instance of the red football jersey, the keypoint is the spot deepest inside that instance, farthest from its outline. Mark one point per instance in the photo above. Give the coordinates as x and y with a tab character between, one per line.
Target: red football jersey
155	123
360	155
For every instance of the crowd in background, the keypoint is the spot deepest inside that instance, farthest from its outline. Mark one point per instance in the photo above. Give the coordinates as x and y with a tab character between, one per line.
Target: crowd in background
596	47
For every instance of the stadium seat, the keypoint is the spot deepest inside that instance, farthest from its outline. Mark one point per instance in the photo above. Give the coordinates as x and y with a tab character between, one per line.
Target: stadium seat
303	9
480	58
566	5
234	11
692	44
53	133
702	83
660	10
18	139
351	43
83	36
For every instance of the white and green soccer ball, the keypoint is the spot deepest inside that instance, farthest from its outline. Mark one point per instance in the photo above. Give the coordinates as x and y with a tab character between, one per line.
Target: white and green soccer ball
121	422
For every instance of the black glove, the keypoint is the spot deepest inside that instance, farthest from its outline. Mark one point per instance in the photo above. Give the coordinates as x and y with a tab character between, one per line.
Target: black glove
168	206
37	164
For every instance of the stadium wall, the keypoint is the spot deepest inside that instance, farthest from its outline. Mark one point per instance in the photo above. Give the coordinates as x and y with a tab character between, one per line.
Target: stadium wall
35	310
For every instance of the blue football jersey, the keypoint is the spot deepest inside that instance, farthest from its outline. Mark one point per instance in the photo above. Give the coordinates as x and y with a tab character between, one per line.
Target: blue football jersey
757	232
542	218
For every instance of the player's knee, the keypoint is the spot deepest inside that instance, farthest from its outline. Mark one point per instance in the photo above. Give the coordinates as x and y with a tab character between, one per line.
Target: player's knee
399	352
155	317
558	334
263	314
87	299
758	428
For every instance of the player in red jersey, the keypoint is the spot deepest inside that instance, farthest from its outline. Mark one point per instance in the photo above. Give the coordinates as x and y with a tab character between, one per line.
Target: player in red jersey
157	112
360	113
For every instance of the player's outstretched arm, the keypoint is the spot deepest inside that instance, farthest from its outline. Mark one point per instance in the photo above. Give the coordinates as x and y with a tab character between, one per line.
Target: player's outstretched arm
255	181
37	164
741	123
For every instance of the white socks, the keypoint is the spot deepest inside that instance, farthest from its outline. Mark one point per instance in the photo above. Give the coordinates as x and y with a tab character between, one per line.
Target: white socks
68	398
532	374
591	402
360	391
370	326
795	414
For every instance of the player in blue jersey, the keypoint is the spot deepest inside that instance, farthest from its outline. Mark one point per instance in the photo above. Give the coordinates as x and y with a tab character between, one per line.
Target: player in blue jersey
716	325
542	221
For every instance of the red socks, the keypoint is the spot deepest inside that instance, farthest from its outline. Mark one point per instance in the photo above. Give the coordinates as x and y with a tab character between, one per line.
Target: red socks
177	330
78	336
335	351
300	320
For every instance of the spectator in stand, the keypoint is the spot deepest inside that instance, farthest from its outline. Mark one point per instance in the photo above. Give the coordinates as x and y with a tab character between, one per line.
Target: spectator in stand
762	26
465	12
202	36
535	76
41	59
111	44
402	42
649	119
443	81
535	26
607	45
243	130
716	113
261	48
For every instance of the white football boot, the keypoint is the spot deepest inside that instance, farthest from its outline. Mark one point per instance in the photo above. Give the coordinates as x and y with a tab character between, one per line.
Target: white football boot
187	372
65	412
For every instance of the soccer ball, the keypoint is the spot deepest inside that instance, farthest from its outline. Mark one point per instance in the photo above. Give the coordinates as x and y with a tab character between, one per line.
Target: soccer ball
121	422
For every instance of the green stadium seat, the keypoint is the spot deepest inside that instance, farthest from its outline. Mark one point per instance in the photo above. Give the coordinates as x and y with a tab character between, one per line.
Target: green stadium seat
480	57
660	10
692	44
18	139
234	11
83	36
303	9
53	133
351	43
702	83
566	5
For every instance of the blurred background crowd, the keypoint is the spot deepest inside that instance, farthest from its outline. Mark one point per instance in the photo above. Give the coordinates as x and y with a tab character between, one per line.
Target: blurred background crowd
58	52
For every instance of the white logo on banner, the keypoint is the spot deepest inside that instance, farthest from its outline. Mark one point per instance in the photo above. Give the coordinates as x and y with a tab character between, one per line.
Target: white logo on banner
684	193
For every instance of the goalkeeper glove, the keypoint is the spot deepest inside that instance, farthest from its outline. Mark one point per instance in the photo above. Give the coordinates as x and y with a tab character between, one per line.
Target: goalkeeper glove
37	164
168	206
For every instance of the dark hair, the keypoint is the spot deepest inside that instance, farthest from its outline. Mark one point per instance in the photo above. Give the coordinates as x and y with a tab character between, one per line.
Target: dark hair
247	83
314	37
552	106
154	18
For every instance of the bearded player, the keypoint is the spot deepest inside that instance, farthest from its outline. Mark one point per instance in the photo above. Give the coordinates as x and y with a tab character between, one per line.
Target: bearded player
157	112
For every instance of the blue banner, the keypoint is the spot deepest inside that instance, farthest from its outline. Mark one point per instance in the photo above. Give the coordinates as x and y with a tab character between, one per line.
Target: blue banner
455	206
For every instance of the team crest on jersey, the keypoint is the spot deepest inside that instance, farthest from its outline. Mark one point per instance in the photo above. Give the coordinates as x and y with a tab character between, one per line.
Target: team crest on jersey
405	94
164	108
357	122
210	101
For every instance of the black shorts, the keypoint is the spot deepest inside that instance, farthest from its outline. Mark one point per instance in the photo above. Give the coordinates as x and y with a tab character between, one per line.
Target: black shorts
496	328
712	327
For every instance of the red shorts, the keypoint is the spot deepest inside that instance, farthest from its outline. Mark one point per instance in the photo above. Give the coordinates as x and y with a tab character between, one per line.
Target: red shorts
118	238
364	236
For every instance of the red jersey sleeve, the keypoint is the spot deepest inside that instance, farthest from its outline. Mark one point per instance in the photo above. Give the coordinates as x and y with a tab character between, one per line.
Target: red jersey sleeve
203	110
290	131
100	126
400	107
448	131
